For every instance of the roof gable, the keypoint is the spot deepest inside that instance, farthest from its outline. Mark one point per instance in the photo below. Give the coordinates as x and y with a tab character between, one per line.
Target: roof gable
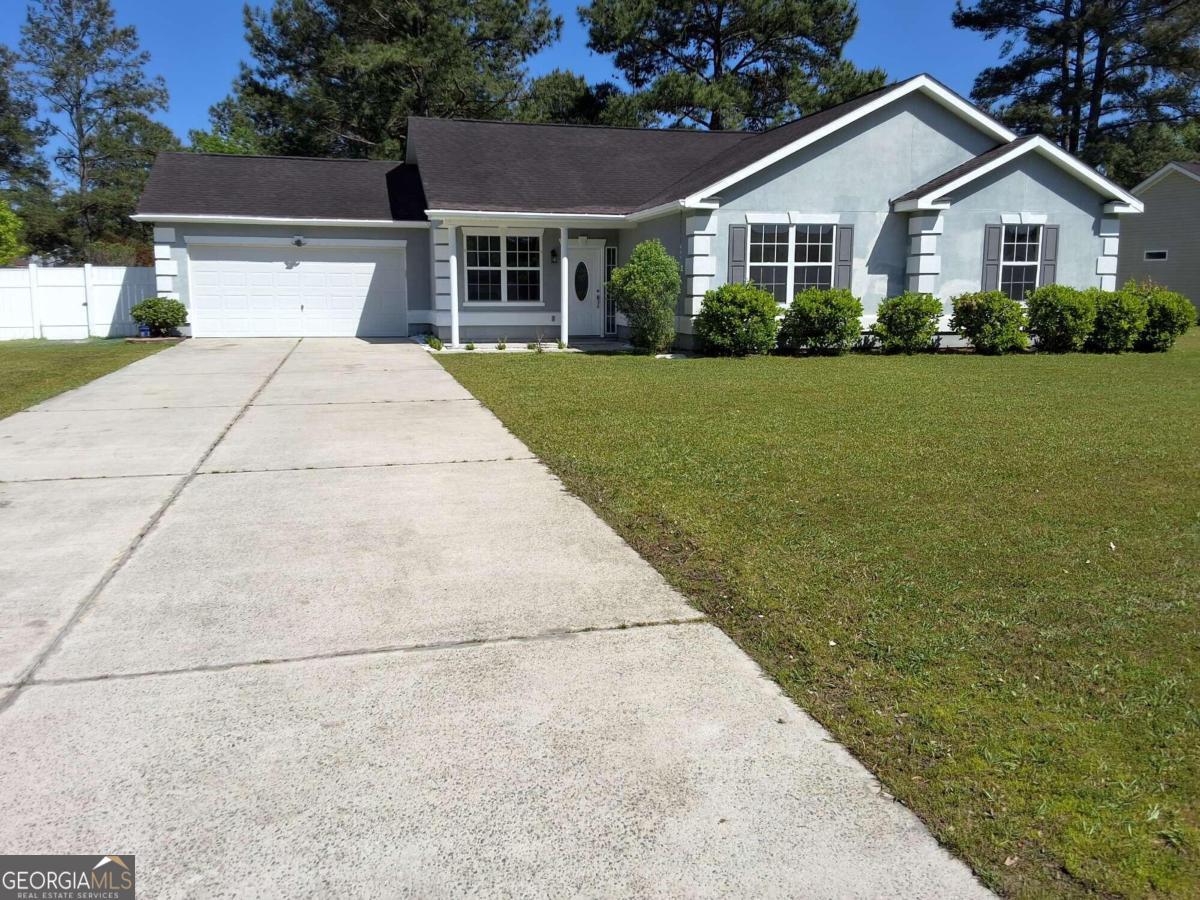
932	195
1186	169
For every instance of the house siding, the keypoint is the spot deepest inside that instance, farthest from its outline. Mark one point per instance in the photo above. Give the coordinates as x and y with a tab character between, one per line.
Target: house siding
1171	222
854	174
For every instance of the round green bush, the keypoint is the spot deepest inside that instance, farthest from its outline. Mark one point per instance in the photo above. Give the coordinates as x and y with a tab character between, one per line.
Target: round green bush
161	315
991	321
1060	317
826	322
1168	316
737	320
646	290
908	323
1120	318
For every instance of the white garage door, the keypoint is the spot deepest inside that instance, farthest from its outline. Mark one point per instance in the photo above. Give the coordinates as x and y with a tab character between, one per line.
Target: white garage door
287	291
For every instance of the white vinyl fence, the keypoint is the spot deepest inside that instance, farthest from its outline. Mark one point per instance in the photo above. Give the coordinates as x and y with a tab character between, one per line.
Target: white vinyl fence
71	303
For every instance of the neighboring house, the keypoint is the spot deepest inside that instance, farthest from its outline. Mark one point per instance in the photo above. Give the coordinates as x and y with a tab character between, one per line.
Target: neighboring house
1164	243
501	229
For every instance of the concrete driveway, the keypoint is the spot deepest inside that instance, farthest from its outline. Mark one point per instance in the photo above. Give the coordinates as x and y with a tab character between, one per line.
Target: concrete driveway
288	617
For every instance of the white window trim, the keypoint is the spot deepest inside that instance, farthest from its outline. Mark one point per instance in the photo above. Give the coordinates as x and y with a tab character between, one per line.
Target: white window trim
1037	263
505	233
1146	257
791	252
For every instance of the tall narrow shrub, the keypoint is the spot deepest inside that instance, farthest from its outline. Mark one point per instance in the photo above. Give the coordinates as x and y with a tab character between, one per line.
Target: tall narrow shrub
646	290
1060	317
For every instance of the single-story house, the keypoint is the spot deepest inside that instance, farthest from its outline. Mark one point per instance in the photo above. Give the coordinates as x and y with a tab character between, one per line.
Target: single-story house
502	229
1164	243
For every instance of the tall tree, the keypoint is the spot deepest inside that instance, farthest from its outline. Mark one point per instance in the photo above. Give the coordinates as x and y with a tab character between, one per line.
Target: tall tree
12	235
231	130
566	98
1086	72
89	75
341	77
731	63
22	166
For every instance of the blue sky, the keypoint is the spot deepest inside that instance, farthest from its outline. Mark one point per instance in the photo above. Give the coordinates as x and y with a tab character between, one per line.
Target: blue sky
196	47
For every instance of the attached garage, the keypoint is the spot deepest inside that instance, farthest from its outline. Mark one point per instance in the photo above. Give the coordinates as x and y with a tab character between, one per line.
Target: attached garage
274	288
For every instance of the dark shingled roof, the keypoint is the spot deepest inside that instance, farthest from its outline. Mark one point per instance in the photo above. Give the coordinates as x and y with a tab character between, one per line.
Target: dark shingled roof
518	167
1193	167
282	186
966	168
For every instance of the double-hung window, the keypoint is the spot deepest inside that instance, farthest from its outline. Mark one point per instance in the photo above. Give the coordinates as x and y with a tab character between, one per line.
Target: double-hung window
1019	259
785	259
503	267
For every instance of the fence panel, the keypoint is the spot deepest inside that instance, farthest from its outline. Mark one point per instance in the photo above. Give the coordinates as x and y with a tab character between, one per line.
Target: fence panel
69	303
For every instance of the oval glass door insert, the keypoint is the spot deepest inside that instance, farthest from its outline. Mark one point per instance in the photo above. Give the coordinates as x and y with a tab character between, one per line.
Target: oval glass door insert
581	281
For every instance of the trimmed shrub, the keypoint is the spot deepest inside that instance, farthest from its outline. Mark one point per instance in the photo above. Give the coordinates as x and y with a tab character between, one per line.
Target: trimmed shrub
1120	318
435	342
827	322
908	323
1168	316
737	320
991	321
161	315
1061	317
646	290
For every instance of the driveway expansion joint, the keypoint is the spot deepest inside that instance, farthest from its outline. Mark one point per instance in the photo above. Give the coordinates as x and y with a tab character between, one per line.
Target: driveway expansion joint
384	650
85	604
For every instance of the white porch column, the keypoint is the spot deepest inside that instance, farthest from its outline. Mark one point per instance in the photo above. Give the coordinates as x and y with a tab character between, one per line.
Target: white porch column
564	300
454	301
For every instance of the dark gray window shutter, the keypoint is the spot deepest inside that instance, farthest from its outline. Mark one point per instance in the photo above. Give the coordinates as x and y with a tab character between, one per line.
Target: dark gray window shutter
1049	272
844	267
992	236
737	254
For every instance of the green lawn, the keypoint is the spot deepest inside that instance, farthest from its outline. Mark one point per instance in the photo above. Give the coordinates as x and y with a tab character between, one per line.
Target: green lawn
980	574
33	371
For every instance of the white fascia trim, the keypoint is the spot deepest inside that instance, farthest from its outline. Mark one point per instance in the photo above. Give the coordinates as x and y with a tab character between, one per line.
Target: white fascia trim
673	206
1046	148
922	83
274	220
1163	173
1115	206
243	241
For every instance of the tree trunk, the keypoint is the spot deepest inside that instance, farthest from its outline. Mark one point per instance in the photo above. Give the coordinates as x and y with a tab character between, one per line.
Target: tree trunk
1077	81
1096	100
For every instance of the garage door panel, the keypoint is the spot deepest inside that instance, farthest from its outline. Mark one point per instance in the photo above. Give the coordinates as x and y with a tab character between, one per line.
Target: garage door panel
239	291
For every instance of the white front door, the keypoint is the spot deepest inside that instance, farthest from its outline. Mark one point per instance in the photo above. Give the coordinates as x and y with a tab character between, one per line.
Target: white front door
585	290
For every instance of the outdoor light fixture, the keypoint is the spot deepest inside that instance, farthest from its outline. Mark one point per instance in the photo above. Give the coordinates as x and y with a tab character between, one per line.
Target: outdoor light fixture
553	255
298	241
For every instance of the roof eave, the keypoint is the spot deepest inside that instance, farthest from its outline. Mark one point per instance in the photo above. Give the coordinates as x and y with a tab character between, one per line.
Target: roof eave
1169	168
206	219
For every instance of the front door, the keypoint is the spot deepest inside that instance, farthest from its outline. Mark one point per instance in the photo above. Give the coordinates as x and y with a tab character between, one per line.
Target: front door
585	288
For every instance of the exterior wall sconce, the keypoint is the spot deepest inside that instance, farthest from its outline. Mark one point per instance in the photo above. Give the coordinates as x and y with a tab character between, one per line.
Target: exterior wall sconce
554	256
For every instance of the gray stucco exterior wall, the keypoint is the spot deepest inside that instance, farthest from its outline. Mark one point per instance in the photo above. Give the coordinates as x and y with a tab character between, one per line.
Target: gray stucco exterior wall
1030	185
853	175
1171	222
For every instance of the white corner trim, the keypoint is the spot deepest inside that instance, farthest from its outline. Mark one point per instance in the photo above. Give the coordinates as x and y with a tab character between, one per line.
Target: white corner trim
923	83
1040	145
162	235
273	220
771	218
927	224
803	218
1163	173
244	241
